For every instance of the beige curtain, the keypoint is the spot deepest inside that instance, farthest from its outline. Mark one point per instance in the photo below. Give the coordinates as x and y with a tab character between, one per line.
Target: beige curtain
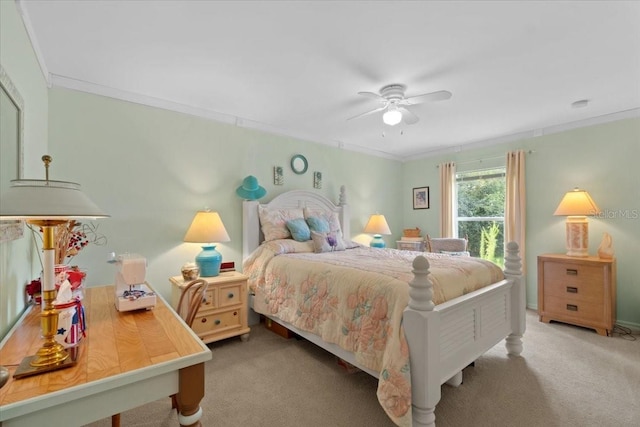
447	198
515	204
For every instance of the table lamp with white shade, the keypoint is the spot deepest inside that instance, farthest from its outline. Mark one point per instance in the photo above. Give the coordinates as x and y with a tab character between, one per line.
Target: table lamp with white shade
207	227
377	226
46	204
576	205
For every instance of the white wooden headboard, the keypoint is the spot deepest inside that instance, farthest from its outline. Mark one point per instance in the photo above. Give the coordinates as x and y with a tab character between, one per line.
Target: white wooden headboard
252	233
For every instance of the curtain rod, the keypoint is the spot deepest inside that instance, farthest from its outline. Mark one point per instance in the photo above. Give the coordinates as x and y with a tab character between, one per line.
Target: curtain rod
486	158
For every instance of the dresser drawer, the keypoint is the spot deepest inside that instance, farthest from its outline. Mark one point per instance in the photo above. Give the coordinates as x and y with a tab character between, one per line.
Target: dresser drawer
579	283
578	311
208	323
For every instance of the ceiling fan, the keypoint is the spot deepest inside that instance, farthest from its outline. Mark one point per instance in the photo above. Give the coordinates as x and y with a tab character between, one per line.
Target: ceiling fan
396	106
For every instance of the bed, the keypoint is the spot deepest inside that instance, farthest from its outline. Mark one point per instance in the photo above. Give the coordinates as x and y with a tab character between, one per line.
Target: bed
438	340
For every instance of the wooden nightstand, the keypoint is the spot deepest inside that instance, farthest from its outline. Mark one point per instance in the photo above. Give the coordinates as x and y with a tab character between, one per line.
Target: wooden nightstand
409	245
223	314
580	291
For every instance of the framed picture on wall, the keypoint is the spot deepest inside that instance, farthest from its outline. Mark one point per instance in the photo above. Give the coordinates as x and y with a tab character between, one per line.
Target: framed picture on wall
421	198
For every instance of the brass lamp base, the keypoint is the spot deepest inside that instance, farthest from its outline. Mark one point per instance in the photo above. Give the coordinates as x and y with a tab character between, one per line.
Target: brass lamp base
27	369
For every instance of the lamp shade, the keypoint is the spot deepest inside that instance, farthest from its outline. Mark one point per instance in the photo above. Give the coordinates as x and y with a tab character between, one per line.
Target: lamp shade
207	227
577	202
377	225
46	200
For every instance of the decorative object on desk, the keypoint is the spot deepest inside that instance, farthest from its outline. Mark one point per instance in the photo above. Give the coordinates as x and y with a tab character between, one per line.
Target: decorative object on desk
377	226
71	237
576	205
317	180
207	227
250	189
605	250
278	177
299	164
71	322
190	271
47	204
34	290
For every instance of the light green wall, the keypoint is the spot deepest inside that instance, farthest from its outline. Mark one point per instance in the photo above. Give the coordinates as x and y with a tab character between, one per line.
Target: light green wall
17	266
152	169
601	159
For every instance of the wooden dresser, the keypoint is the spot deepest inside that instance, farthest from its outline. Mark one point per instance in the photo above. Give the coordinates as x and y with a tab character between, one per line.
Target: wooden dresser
224	312
580	291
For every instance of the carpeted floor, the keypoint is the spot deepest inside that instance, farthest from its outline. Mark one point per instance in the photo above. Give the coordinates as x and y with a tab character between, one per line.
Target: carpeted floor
567	376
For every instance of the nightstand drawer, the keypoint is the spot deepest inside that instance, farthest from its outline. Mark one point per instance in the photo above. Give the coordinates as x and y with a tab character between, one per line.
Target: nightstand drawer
229	295
218	321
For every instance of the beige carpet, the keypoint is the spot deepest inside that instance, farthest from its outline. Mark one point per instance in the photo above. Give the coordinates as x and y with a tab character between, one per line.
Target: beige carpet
567	376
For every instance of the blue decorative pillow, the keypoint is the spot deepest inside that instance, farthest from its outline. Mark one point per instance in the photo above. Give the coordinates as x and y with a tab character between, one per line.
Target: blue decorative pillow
319	225
299	229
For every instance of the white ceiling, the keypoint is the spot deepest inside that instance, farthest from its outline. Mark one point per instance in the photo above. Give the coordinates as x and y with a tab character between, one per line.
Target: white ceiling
295	67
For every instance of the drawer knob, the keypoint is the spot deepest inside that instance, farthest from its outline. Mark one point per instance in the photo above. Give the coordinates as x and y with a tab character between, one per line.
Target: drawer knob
230	295
572	307
204	320
217	322
572	289
572	272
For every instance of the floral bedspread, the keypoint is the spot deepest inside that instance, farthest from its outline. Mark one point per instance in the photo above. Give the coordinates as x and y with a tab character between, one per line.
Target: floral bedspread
355	299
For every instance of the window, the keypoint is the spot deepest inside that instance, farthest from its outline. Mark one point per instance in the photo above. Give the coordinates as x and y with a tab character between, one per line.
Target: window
480	212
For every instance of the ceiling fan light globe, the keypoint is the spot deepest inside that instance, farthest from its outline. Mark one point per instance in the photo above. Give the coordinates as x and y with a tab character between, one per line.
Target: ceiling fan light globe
392	117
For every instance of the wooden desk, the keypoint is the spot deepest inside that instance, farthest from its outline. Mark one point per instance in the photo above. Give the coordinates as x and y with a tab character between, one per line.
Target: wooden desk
127	359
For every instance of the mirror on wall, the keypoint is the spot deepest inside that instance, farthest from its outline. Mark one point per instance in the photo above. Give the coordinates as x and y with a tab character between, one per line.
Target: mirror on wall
11	146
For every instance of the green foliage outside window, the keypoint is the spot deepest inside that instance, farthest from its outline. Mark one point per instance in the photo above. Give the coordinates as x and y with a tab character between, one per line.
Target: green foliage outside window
481	194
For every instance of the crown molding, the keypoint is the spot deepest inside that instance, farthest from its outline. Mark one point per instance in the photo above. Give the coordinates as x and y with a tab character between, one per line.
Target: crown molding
26	21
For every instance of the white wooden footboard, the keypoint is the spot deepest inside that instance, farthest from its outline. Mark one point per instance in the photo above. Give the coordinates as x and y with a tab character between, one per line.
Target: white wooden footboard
444	339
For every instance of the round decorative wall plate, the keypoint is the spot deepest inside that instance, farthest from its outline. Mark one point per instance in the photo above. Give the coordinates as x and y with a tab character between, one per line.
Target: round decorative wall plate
299	164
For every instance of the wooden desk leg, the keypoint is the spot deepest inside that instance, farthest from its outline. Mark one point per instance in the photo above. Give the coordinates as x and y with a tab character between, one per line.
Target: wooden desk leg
115	420
190	393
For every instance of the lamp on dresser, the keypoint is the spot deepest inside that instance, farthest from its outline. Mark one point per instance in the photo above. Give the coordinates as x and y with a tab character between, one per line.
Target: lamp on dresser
47	204
377	226
207	227
576	205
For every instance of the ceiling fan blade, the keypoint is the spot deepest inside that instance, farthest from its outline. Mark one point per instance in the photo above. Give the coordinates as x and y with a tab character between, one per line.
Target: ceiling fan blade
440	95
375	110
373	95
407	116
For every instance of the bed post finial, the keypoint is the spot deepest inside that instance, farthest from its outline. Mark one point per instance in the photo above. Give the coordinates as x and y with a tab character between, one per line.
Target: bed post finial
421	289
342	201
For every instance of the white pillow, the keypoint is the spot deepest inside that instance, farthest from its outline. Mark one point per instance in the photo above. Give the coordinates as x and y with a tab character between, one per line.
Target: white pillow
274	222
327	242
